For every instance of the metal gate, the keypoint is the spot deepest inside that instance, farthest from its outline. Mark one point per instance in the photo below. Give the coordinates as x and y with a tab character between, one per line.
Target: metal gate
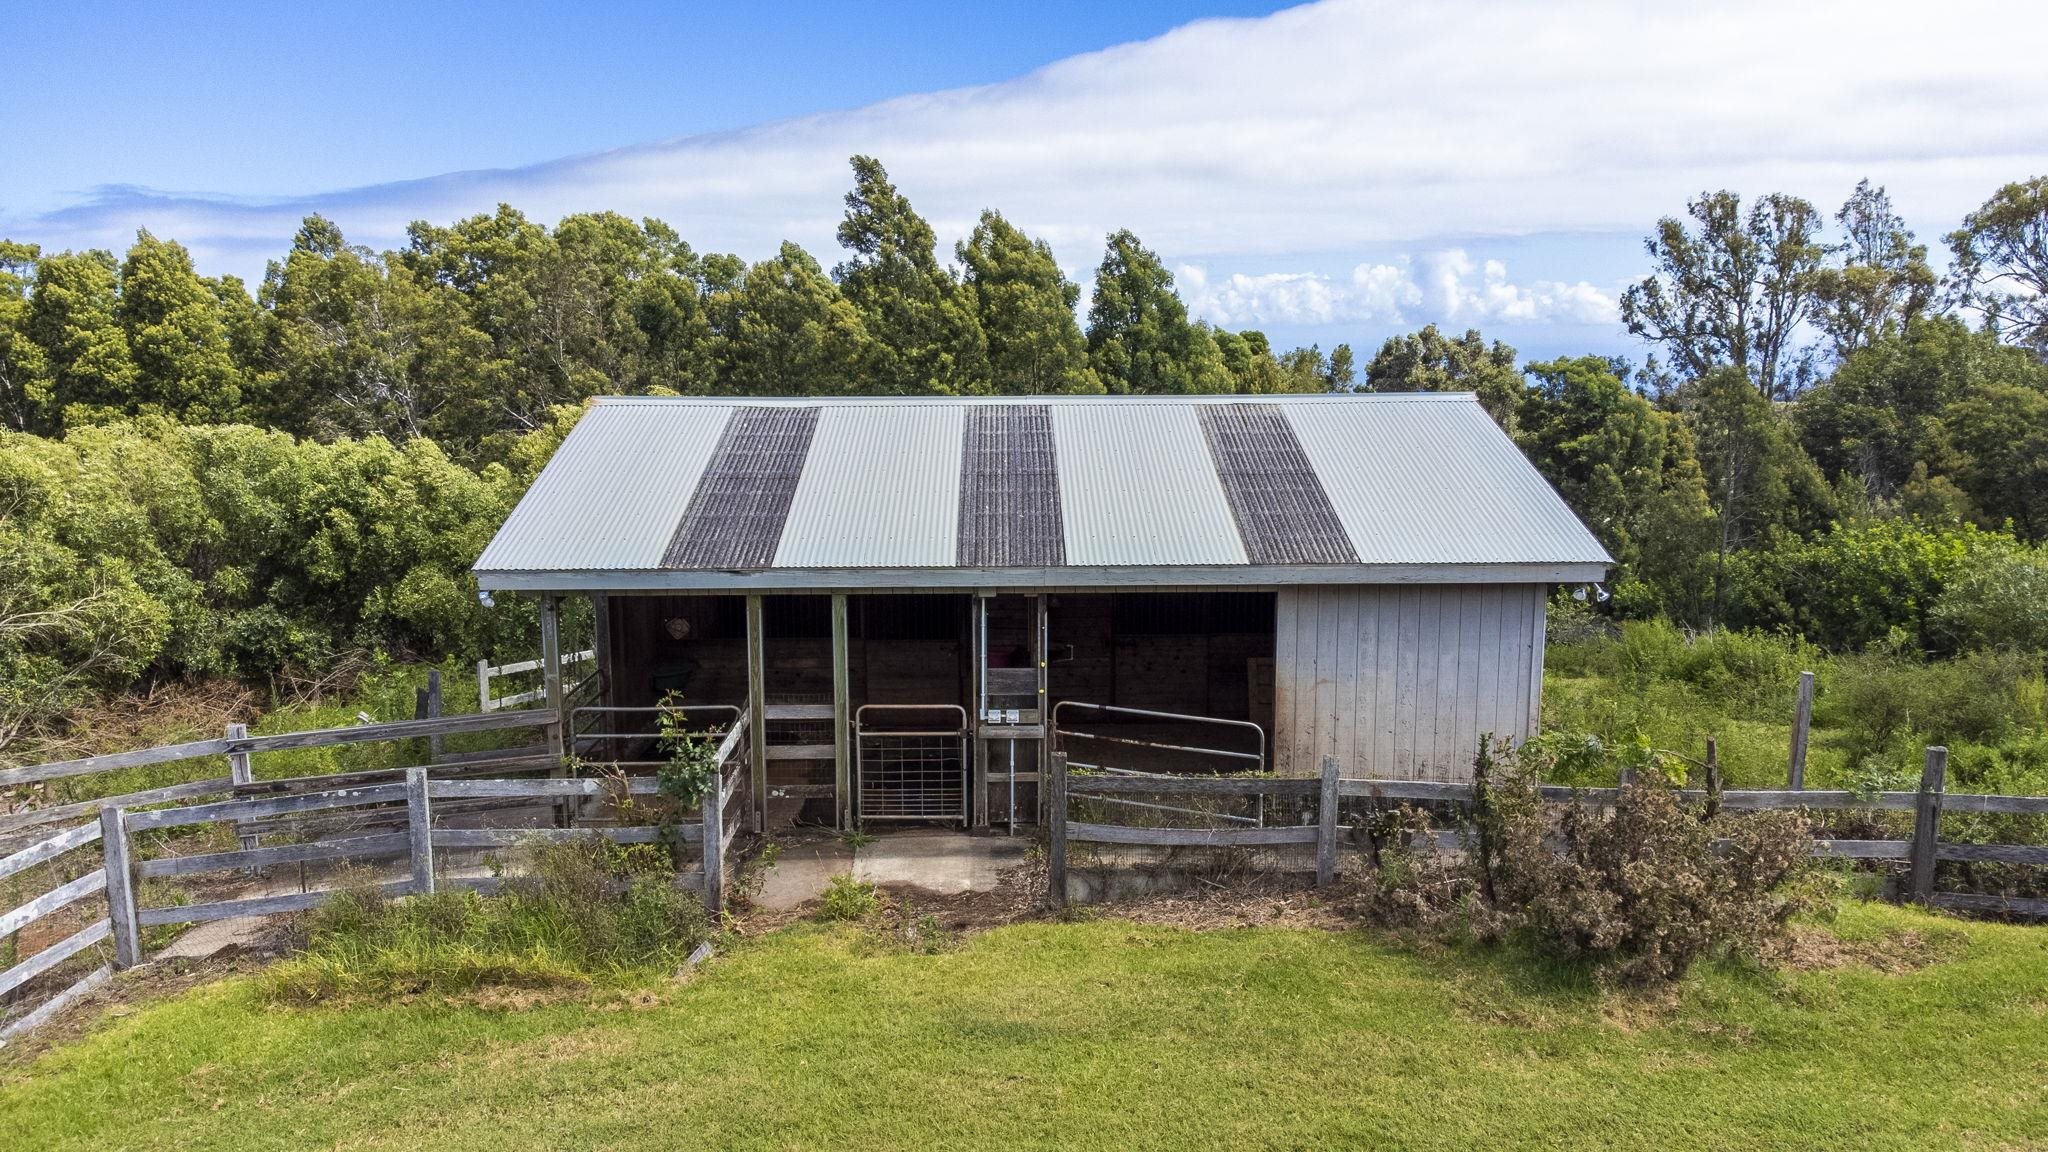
910	762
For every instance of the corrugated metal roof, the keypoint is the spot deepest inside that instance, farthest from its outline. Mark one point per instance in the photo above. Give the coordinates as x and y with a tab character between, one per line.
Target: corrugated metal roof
1137	487
1424	486
881	489
612	494
1422	479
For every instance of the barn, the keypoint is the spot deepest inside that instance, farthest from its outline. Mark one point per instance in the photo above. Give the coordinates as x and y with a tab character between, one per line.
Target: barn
910	602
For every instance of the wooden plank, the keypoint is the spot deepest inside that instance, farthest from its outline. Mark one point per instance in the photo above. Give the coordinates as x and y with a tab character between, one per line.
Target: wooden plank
168	794
254	906
1286	692
1188	837
1927	823
348	848
1405	789
1974	902
1802	721
399	730
1056	831
2018	805
797	711
1326	825
802	751
1191	785
241	770
1532	720
551	674
62	896
49	848
513	837
1994	853
139	758
118	878
569	786
419	830
842	716
265	806
54	955
1863	849
57	1003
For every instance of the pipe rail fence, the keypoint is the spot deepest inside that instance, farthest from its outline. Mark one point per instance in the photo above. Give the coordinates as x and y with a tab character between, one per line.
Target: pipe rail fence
394	816
1921	852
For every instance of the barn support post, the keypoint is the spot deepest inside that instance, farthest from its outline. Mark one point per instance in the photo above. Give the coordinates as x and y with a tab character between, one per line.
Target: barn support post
842	715
757	711
551	674
601	647
1802	720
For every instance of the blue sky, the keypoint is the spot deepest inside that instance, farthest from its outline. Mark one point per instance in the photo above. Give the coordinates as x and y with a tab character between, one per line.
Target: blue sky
1335	171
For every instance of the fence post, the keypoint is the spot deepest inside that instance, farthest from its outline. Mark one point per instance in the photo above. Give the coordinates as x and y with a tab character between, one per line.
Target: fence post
1802	720
241	772
1927	823
419	827
1326	826
714	844
120	868
483	686
1713	807
1056	832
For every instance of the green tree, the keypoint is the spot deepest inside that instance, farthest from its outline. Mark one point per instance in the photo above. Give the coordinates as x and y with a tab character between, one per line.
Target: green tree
2001	263
1140	339
1630	472
24	371
1734	292
927	339
71	318
1429	361
786	330
1024	305
1884	283
177	336
1340	374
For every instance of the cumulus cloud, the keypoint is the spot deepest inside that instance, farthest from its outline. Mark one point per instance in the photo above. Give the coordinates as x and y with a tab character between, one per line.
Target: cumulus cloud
1332	127
1448	286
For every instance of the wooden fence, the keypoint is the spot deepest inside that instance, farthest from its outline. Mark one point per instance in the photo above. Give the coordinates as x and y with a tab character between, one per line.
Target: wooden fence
1921	852
376	815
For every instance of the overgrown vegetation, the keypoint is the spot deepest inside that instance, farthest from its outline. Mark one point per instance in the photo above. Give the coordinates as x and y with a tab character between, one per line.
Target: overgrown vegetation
572	912
847	899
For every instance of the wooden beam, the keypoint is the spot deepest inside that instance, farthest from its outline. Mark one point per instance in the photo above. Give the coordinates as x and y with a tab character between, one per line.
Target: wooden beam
551	672
1326	826
1056	829
119	868
419	827
601	648
1802	721
842	718
1927	823
757	710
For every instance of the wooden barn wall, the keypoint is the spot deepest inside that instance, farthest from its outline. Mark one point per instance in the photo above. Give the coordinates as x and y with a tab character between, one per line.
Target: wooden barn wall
1401	681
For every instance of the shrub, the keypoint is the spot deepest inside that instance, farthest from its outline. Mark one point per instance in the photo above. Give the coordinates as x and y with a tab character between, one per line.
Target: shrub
2002	603
848	899
581	910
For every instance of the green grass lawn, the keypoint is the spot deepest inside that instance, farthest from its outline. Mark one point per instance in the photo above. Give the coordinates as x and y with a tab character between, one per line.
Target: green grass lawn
1101	1034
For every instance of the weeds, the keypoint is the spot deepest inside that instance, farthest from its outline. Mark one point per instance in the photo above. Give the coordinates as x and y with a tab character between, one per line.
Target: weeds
848	899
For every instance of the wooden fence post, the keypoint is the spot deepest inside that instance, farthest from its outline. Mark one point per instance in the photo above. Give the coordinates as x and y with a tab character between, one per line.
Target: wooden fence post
1056	832
551	676
1802	720
419	827
242	772
483	686
1326	826
1927	823
713	812
1713	807
120	868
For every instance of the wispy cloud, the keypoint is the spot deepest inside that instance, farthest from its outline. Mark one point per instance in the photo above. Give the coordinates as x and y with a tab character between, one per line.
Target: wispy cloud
1339	127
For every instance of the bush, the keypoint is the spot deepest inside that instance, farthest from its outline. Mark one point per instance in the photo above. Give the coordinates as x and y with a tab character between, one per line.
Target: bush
2002	604
581	910
1887	696
848	899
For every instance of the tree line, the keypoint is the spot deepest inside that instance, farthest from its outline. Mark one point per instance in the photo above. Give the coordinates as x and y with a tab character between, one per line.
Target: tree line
1826	437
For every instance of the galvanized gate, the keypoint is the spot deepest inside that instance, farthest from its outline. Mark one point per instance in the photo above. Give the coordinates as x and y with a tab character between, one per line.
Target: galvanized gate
910	762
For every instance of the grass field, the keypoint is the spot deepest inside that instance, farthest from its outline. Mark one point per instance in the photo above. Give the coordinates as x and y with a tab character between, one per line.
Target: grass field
1100	1034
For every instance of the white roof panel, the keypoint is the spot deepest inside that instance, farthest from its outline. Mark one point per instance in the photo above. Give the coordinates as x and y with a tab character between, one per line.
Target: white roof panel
1137	487
880	489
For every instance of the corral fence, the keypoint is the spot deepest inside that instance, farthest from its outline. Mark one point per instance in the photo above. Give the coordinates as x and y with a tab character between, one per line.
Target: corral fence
98	872
1317	806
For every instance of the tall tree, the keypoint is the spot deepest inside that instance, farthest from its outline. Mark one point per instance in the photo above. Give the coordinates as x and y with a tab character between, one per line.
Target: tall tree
24	370
2001	263
926	335
1341	375
1735	291
1884	282
1025	307
1140	339
177	336
71	318
1429	361
786	330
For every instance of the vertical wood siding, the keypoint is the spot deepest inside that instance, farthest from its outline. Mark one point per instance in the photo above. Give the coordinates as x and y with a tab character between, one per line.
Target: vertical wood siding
1403	680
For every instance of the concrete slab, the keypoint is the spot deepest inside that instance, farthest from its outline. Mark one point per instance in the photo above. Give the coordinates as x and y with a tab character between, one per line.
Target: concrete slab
802	868
939	861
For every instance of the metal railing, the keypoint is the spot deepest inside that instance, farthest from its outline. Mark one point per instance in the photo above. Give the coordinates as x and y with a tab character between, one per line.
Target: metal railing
614	726
913	772
1257	759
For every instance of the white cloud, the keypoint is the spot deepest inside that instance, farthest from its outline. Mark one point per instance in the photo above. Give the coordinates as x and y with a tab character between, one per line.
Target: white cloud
1322	129
1452	288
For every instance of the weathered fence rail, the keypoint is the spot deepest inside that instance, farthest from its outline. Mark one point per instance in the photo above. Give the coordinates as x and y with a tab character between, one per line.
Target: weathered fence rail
1921	851
413	803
